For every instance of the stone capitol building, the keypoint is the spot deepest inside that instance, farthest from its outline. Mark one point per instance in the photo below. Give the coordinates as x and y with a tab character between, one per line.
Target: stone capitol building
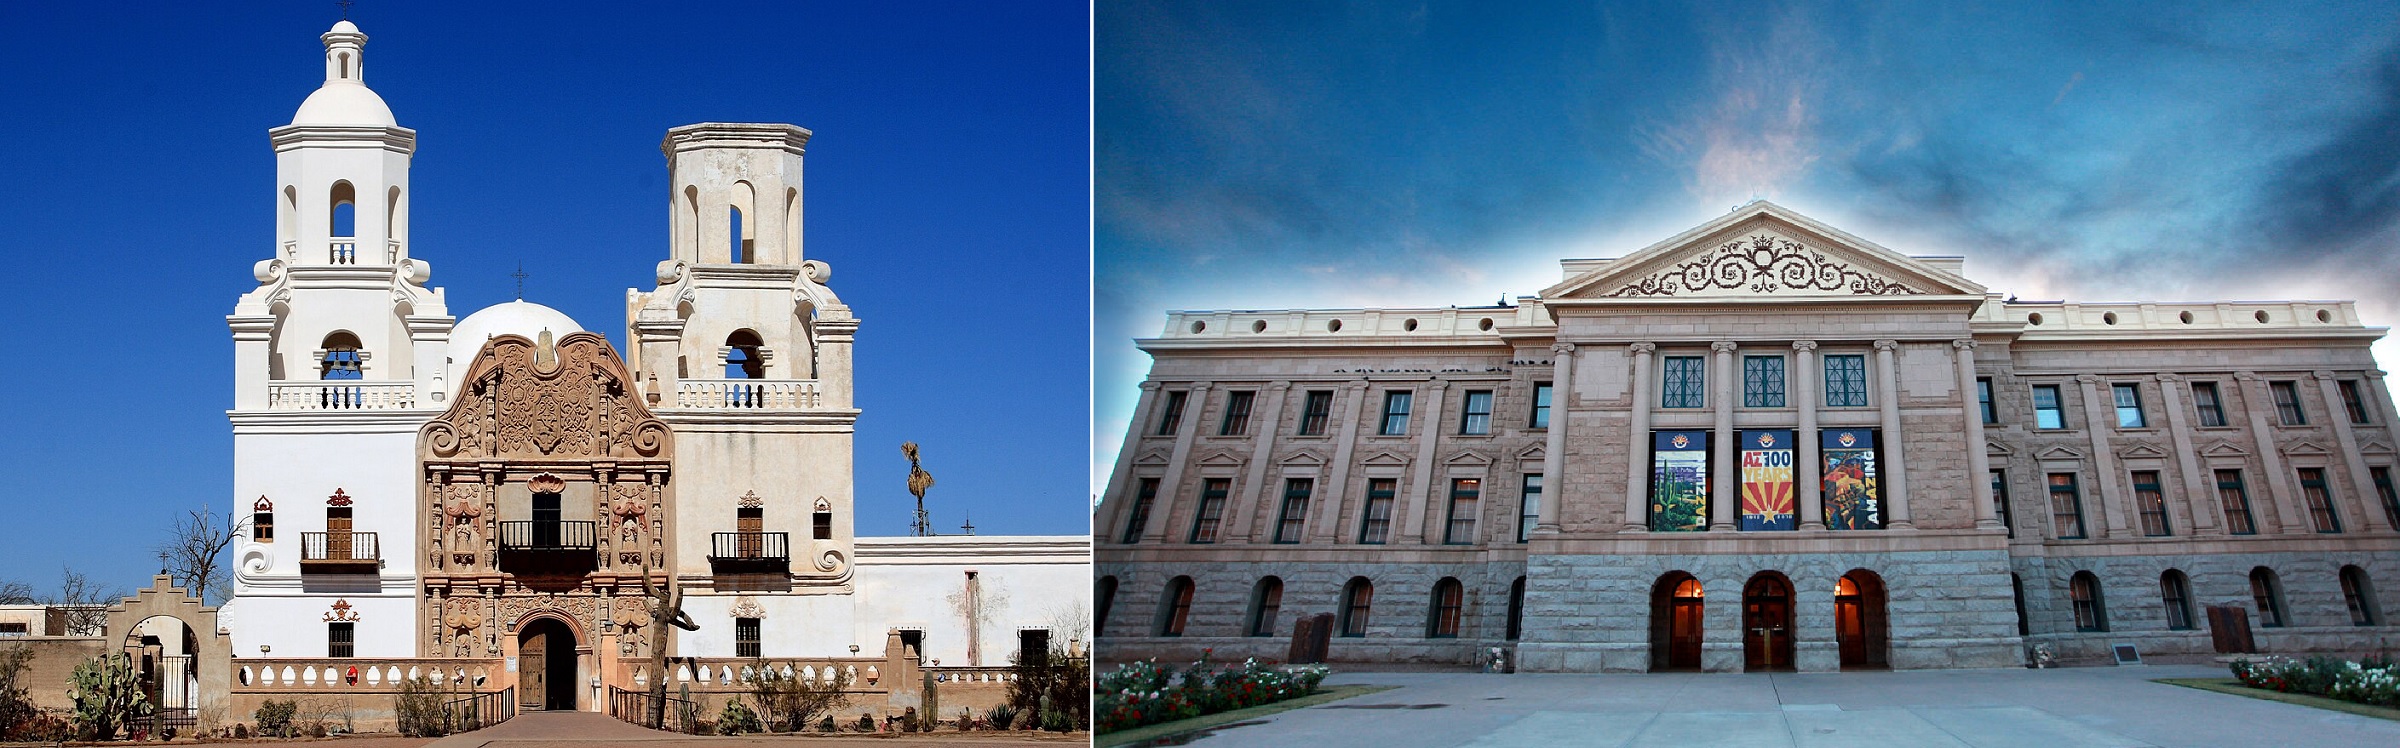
1762	444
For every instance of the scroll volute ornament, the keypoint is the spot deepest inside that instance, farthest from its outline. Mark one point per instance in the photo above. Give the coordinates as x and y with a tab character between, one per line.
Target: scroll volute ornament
464	617
572	398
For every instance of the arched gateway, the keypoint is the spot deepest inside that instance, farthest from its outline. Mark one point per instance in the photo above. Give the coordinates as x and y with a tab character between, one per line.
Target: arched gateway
1675	622
188	668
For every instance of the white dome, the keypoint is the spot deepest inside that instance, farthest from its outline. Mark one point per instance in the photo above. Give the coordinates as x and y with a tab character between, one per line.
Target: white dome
513	318
344	103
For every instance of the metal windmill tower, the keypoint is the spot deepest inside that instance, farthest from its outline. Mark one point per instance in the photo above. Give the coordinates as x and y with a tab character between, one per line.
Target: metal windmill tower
918	481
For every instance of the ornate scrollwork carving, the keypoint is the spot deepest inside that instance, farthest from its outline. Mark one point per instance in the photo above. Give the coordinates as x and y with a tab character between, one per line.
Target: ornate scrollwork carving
565	400
1762	264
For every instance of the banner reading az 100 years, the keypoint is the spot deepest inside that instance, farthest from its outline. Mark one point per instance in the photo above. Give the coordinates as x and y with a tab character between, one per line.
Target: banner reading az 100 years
1852	500
1767	480
1679	481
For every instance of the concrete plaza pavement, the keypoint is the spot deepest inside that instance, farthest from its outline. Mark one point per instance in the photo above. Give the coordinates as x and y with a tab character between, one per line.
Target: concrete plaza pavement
2055	708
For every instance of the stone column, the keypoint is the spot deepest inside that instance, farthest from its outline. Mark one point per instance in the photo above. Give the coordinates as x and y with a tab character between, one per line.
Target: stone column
2098	423
1323	529
1979	463
1895	468
1809	494
1429	492
2369	511
2200	494
1554	445
1637	446
1171	487
2258	402
1262	457
1725	487
1108	527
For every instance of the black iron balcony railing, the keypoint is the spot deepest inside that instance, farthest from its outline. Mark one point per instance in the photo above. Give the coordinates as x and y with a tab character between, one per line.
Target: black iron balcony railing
750	546
541	535
340	552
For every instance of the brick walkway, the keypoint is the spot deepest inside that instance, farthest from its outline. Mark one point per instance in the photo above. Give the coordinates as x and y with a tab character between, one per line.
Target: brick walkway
563	729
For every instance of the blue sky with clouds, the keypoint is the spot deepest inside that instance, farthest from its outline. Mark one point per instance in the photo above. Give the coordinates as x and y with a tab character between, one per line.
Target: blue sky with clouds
1263	155
947	185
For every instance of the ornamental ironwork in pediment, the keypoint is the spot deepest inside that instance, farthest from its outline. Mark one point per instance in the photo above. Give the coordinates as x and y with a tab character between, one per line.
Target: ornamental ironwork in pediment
1765	265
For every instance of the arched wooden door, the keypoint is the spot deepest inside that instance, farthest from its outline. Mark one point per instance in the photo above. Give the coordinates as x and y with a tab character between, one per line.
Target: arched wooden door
1675	623
1859	624
546	666
1767	623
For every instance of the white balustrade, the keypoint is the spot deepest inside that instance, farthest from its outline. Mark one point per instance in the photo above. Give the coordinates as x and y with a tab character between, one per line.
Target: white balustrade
341	394
748	394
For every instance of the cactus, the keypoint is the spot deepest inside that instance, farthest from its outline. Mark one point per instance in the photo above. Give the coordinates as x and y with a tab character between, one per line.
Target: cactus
108	695
933	704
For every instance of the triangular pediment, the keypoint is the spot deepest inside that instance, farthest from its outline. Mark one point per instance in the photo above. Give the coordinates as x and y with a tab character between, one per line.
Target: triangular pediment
1386	458
2140	451
1303	458
2058	453
1152	458
1467	459
1220	458
2375	448
1535	453
1764	250
2224	449
2304	448
1996	449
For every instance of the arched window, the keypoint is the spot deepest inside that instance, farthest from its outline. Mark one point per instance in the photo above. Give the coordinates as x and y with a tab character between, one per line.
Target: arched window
2176	592
1266	600
1449	599
1358	598
342	358
2360	596
262	520
1103	598
344	207
2267	591
742	359
1175	606
2017	585
739	251
1516	609
2091	613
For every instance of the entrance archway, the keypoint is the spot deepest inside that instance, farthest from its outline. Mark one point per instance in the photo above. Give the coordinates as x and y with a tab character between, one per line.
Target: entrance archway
1767	623
546	670
162	650
190	660
1859	624
1675	613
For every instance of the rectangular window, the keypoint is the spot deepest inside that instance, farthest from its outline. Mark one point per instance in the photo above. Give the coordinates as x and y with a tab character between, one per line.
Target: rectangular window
1983	399
262	527
822	525
1476	420
2383	488
2351	401
15	628
2237	503
1212	509
1466	498
1395	413
1541	405
745	637
2287	403
2320	500
1529	506
1033	647
1173	416
1237	413
1142	497
1845	381
2212	409
2066	507
2129	405
1376	526
1313	414
1762	381
2152	501
2046	414
341	639
1294	516
2000	501
1685	379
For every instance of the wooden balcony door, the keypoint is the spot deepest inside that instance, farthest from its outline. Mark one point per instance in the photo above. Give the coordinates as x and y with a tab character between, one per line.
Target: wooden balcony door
337	532
750	521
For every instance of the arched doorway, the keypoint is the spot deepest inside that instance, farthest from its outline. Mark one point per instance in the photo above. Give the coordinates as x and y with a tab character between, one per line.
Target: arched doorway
162	650
1767	623
1675	613
546	665
1859	623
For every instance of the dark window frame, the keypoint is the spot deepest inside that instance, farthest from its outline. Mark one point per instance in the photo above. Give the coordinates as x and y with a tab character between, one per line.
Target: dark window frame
1209	516
746	637
1471	420
1145	496
2000	500
2175	593
2353	401
2209	403
1396	407
341	639
2073	494
2150	501
1170	417
2234	495
1763	382
1846	381
1683	382
2127	399
2317	495
1983	400
1375	516
1291	519
2358	592
2057	412
1542	395
2382	477
1266	604
1176	612
2287	403
2090	606
1467	494
1449	605
1529	504
1358	606
2266	592
1315	410
1237	413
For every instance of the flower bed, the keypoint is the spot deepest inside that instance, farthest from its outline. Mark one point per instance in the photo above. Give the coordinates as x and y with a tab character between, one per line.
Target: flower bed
1147	693
2375	680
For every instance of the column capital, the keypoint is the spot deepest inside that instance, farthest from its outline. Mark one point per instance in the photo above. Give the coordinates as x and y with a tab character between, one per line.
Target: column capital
1437	385
1151	386
2090	379
2322	375
2246	376
1804	345
2171	378
1562	347
1642	349
1355	385
1964	344
1723	346
1887	345
1198	387
2376	373
1279	386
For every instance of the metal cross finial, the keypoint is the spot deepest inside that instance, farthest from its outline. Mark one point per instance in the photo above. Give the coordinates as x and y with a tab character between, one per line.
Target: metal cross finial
520	276
970	524
345	8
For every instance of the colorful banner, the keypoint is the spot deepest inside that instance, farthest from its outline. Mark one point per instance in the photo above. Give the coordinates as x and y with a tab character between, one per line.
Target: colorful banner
1679	481
1767	487
1852	501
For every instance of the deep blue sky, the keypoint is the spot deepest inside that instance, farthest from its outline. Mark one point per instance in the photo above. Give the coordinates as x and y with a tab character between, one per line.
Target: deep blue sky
1266	155
947	185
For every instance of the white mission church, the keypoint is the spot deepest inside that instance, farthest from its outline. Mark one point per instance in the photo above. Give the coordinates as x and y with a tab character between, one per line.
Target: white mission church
483	497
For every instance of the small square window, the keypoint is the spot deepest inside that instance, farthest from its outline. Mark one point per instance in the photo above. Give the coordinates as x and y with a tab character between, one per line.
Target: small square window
1845	381
1395	413
1476	420
2046	413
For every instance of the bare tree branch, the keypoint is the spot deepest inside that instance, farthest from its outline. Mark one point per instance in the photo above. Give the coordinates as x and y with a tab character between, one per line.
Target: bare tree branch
194	550
84	602
14	592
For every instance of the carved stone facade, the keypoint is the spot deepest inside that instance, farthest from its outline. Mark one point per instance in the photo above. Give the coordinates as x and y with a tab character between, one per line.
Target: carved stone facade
1913	471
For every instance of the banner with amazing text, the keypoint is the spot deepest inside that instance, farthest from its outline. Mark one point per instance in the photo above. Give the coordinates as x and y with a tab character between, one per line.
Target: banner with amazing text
1767	487
1852	498
1679	481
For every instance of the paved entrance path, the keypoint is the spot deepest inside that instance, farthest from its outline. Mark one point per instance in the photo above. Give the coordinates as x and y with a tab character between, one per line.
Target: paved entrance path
546	729
2062	708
